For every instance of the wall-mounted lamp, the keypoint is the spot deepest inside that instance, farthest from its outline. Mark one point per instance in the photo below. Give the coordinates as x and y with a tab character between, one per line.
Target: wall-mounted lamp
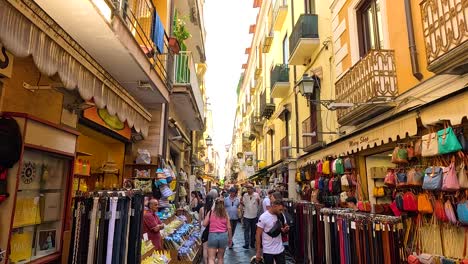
307	85
208	141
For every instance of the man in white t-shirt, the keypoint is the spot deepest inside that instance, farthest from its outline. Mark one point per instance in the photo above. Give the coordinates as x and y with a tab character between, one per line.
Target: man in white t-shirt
269	230
251	204
266	202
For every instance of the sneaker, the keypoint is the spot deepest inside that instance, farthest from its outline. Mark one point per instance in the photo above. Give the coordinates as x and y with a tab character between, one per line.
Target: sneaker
246	247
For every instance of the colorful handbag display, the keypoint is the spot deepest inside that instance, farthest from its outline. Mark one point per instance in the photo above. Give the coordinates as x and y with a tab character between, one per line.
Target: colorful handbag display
433	178
390	178
396	211
462	212
379	191
410	150
414	177
461	138
410	202
400	155
326	167
429	145
349	163
450	180
364	206
418	148
399	201
424	204
339	166
447	141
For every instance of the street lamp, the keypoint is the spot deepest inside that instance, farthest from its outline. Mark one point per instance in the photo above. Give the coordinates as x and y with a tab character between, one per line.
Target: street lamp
307	85
209	141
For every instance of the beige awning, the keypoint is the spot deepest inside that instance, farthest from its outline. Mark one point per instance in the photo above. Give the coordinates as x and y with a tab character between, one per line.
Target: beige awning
383	134
453	109
22	38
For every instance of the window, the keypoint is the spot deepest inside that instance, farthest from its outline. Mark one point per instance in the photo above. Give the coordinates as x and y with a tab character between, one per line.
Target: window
309	6
370	30
285	49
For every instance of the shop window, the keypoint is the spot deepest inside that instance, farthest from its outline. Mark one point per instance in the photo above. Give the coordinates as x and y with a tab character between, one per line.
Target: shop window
39	211
370	31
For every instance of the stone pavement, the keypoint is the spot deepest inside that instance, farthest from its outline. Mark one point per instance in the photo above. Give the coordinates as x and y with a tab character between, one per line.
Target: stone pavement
238	255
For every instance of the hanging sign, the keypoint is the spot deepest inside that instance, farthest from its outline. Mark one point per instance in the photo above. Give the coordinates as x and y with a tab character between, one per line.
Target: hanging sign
6	62
103	118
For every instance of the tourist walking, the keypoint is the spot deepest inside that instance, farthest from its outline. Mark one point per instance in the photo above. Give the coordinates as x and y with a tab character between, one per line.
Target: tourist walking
232	203
269	231
209	203
220	235
251	204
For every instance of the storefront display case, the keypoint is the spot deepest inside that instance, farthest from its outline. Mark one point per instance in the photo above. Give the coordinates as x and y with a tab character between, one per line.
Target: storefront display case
39	185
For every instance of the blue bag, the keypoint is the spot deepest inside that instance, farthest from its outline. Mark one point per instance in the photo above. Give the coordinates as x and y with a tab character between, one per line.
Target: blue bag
462	212
433	178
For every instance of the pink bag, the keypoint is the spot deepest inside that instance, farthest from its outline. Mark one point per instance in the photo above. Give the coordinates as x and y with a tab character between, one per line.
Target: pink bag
450	180
320	167
449	212
390	178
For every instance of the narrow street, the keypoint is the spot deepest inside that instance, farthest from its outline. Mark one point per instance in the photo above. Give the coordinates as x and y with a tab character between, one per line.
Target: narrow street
238	254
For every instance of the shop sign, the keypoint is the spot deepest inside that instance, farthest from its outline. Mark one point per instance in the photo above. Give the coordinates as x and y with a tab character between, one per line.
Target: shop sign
362	141
103	118
6	62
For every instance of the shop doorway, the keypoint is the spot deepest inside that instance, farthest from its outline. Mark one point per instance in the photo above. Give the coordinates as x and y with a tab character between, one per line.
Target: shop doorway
376	169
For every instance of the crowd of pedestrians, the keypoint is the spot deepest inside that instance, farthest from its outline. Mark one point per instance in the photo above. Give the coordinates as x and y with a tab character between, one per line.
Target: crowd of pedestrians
264	223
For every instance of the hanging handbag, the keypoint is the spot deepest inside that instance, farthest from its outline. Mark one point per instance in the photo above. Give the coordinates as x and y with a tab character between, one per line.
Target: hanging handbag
339	166
206	231
364	206
378	191
433	178
326	167
439	210
399	201
462	212
418	148
414	177
344	181
461	138
410	150
412	259
343	197
410	203
449	212
395	210
336	188
390	178
400	155
447	141
349	163
463	176
320	167
429	145
424	204
401	177
450	180
298	176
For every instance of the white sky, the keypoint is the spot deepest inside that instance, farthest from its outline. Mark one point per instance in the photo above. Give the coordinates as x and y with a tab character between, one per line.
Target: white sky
227	25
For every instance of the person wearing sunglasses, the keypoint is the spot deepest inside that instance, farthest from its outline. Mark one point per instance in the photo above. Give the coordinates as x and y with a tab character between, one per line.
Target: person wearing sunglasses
232	203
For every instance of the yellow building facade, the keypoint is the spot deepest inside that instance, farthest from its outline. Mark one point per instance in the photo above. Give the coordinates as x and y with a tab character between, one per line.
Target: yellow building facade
376	82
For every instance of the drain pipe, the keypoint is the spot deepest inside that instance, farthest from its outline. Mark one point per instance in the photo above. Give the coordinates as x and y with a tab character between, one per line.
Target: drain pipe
296	101
412	42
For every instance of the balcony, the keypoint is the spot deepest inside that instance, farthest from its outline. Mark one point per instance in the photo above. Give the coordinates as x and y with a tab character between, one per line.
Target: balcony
186	94
368	84
285	150
279	81
311	141
280	11
267	42
266	108
127	40
304	39
256	123
445	33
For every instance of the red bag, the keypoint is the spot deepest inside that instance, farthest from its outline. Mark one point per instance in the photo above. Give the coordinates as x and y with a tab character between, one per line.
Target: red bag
412	259
395	210
410	202
439	211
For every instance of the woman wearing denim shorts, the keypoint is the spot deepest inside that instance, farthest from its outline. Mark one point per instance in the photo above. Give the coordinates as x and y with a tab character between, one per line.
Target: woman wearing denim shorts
220	233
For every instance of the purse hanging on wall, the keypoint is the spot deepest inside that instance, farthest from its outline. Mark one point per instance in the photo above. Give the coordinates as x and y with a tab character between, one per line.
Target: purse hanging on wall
447	141
429	145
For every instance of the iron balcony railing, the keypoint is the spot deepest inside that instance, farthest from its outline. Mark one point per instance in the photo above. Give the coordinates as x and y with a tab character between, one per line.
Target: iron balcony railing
266	107
280	73
142	20
305	27
307	127
185	74
445	26
373	78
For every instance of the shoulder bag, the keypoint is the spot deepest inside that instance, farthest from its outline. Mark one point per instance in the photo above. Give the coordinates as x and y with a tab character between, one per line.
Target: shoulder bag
450	180
415	177
206	231
463	176
400	155
447	141
433	178
462	212
439	210
429	145
450	213
390	178
401	177
410	203
424	204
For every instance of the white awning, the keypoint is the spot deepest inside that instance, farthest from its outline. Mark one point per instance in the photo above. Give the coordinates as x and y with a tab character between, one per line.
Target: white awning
453	109
22	38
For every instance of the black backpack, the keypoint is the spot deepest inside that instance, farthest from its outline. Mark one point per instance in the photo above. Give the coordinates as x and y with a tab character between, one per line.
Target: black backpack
11	143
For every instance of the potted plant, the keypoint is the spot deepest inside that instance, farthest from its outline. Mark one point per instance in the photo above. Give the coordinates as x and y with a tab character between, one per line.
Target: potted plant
180	31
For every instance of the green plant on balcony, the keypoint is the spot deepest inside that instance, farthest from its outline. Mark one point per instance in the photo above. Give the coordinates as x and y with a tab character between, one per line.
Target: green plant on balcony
180	30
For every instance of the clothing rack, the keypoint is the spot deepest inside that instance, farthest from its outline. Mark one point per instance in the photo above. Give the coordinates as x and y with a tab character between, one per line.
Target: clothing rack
107	226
